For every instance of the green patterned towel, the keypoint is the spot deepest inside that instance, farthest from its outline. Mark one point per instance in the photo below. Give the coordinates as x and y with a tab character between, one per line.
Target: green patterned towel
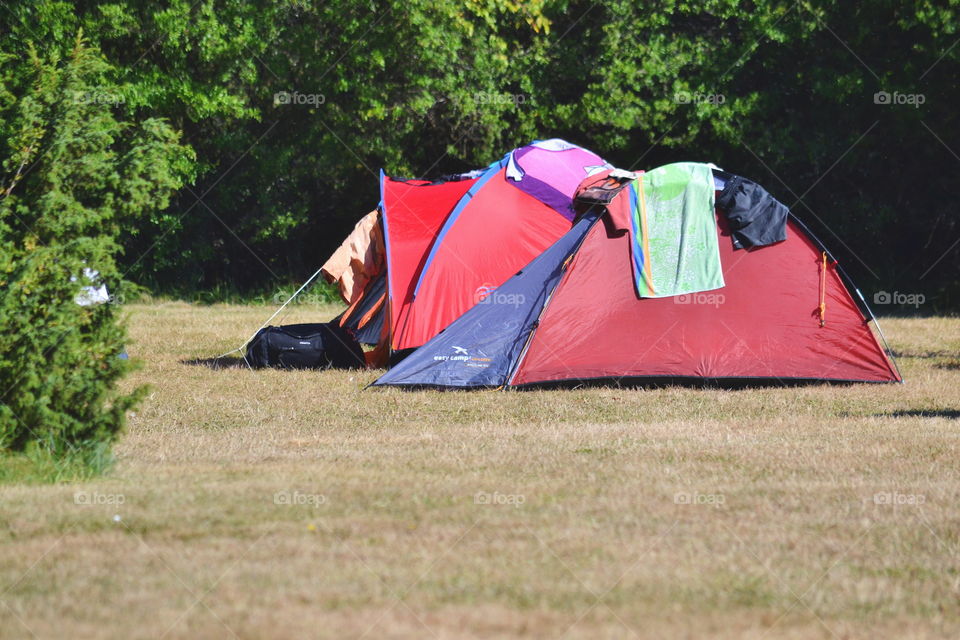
675	248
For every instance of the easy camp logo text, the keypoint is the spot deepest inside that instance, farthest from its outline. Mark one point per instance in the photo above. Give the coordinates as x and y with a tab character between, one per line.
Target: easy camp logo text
462	354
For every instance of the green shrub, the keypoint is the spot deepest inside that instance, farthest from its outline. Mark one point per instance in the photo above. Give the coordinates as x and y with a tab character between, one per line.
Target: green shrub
73	176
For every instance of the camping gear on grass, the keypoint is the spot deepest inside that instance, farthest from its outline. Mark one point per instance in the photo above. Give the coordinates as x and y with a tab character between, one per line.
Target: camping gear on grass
304	346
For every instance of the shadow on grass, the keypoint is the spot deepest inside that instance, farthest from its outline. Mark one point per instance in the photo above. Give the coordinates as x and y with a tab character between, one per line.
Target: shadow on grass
239	363
950	414
217	363
897	353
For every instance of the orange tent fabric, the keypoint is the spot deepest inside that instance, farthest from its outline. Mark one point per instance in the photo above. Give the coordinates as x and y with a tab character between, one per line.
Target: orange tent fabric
359	259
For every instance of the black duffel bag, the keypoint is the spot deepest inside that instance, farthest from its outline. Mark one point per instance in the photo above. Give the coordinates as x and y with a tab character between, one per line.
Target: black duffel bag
304	346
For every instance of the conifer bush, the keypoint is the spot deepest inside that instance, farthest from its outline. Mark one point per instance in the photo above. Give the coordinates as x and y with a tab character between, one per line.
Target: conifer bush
75	170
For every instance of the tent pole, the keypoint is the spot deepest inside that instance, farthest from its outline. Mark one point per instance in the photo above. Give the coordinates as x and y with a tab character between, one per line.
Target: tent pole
886	345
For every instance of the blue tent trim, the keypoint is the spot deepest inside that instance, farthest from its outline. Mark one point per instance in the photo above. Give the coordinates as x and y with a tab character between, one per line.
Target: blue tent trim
386	241
482	347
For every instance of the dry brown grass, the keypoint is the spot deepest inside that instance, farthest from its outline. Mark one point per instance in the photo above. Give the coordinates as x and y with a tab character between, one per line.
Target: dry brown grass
589	540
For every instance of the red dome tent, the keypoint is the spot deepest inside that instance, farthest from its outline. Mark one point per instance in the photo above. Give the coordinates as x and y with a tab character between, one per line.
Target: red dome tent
573	314
450	241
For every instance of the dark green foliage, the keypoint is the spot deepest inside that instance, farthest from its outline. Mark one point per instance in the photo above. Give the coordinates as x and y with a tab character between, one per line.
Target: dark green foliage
778	90
74	175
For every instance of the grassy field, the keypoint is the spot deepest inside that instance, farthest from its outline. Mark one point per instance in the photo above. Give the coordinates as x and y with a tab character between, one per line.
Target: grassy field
298	505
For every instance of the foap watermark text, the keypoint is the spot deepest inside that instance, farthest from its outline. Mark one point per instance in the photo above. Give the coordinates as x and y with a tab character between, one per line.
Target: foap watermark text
91	498
709	299
299	498
498	499
899	499
490	98
298	98
487	294
688	97
700	499
900	298
896	98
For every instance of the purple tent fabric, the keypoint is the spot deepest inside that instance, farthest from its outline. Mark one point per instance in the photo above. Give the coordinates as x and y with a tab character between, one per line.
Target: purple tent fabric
551	171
